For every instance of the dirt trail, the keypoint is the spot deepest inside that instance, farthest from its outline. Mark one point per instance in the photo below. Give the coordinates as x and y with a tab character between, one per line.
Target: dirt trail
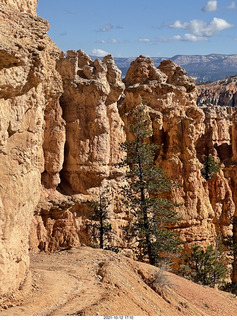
86	281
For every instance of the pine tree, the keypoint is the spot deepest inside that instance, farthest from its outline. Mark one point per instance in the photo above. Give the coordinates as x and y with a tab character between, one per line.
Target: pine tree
210	167
99	216
206	267
146	186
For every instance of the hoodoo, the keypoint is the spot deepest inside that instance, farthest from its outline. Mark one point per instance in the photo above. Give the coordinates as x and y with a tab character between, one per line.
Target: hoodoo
62	121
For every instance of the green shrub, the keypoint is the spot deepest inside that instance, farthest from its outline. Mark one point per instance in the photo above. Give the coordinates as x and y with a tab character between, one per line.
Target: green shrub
210	167
204	266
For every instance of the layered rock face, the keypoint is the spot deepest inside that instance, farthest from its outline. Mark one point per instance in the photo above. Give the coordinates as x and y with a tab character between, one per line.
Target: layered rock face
219	93
218	101
29	86
26	6
93	125
55	156
185	133
94	132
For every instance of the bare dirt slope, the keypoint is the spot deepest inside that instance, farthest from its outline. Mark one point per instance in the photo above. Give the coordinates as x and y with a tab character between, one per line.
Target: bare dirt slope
86	281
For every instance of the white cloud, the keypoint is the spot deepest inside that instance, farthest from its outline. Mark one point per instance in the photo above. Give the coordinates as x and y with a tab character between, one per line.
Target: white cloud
108	27
193	38
210	6
99	52
232	6
177	24
146	40
201	28
114	41
189	37
177	37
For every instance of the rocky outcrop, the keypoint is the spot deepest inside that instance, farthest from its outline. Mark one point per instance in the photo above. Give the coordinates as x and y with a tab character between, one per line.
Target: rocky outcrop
219	93
94	132
220	141
29	86
60	141
24	6
219	102
92	89
184	132
93	125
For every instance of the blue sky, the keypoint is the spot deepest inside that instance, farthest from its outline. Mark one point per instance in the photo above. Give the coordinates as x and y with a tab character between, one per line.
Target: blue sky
155	28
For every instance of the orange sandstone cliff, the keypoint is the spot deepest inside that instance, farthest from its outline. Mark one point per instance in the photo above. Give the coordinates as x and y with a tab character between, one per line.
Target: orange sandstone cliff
183	130
219	93
29	103
62	121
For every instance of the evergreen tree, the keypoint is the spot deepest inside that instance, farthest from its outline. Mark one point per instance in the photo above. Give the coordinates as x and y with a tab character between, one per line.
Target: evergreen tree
145	194
100	218
210	167
206	267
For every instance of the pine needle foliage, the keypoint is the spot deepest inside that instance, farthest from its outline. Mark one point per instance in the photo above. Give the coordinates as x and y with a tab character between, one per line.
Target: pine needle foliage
99	216
144	194
205	267
210	167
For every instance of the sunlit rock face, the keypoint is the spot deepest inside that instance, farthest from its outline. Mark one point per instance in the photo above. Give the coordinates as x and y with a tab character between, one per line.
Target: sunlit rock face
29	87
219	93
94	132
62	120
94	127
185	133
24	6
219	102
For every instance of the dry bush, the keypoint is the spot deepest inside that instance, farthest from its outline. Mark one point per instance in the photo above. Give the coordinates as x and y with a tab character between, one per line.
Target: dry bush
159	281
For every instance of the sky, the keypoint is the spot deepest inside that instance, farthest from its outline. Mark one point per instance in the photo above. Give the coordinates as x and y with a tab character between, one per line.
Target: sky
155	28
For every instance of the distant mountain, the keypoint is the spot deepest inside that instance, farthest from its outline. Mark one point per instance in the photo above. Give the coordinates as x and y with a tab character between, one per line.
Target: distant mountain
211	67
203	68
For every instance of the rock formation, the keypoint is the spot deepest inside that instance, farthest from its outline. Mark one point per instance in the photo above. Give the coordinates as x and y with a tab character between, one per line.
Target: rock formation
62	121
29	86
93	125
94	131
218	101
219	93
24	6
178	125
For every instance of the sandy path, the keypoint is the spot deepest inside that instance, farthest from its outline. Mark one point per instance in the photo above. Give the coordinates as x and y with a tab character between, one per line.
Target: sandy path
86	281
66	283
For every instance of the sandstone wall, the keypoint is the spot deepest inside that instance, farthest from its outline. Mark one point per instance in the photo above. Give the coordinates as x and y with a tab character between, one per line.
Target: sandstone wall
56	156
29	86
219	102
222	93
25	6
186	133
93	135
93	125
94	131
